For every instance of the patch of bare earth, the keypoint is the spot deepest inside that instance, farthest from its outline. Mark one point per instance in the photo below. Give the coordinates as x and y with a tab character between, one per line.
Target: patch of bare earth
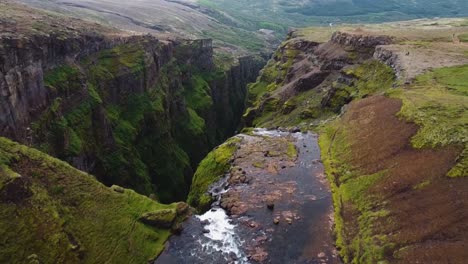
428	211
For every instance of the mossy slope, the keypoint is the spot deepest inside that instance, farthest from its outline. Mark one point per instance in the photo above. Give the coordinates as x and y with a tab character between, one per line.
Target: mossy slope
211	169
54	213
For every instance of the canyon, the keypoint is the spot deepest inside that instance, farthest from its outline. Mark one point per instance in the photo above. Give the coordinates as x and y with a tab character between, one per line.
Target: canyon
101	102
347	146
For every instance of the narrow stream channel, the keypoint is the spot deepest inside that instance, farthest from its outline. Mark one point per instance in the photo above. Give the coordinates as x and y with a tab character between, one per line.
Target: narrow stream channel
301	232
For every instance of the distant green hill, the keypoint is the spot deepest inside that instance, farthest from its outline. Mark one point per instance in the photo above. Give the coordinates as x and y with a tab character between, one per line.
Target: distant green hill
274	14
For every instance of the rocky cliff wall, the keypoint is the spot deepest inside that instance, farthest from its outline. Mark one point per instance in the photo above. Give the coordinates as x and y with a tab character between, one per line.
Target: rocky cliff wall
23	61
302	69
134	111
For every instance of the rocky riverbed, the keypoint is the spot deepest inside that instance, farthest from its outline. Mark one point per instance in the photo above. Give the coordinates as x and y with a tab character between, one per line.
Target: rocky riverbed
274	206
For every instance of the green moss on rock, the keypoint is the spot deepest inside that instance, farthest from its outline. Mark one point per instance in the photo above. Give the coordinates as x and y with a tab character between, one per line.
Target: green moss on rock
368	78
292	151
197	95
161	219
210	170
63	79
65	216
110	63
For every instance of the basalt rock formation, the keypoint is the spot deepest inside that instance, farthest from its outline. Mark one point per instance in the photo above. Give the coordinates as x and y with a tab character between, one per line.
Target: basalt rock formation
133	110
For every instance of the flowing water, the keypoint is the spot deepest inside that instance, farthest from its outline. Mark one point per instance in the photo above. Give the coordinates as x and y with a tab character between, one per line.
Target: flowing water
303	235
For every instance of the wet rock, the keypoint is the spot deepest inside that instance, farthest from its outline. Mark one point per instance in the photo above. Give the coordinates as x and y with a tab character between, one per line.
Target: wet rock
233	256
295	130
270	205
161	219
253	225
276	220
177	229
289	220
205	231
182	209
259	255
205	222
261	239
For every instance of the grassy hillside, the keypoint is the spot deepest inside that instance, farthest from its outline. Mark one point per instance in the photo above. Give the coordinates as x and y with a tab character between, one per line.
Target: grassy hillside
53	213
360	151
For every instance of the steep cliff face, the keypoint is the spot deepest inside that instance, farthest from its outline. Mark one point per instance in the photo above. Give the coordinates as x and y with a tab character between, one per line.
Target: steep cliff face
23	61
307	80
135	111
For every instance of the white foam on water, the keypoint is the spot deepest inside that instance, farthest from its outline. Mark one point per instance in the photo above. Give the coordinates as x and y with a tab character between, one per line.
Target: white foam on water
266	132
275	133
222	234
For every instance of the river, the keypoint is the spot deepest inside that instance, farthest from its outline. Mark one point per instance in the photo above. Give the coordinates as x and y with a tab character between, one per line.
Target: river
280	211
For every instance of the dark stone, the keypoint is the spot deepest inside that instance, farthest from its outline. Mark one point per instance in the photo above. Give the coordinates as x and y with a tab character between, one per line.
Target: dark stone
295	130
271	206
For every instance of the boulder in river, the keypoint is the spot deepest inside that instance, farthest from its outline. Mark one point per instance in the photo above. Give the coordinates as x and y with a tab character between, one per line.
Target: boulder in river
270	205
276	220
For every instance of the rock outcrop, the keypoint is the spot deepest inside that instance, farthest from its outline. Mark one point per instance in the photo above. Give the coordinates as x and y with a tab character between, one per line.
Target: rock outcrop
322	69
357	41
23	62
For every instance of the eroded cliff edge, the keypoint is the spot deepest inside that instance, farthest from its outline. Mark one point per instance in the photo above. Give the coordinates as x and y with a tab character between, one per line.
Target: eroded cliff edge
133	110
